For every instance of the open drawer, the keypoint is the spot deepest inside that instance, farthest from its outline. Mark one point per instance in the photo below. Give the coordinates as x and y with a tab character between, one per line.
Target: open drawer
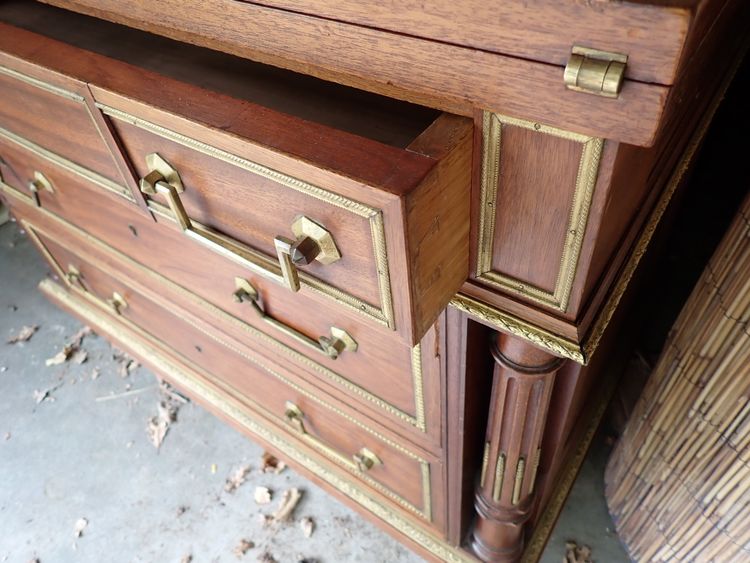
318	187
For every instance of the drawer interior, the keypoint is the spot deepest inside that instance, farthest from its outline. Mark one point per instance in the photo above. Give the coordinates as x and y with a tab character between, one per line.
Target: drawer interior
375	117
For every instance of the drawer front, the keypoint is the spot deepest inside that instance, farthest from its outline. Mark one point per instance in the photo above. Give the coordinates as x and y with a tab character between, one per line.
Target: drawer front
399	384
51	111
358	445
394	254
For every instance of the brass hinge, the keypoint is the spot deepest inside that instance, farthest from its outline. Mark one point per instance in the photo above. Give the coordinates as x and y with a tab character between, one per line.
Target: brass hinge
595	72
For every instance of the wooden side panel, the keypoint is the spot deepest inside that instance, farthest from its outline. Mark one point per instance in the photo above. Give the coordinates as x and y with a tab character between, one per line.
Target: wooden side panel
437	219
536	182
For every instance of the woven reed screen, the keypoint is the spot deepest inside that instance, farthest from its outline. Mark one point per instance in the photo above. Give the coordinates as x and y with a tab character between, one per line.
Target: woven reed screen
678	482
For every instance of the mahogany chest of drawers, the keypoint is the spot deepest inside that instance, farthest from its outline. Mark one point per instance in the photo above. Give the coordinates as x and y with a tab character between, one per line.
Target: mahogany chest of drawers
384	241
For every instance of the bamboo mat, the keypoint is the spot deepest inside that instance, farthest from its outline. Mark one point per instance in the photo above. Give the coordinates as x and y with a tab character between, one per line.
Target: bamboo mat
678	482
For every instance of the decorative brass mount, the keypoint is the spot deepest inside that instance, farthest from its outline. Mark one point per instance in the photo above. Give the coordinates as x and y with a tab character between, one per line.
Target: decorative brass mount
331	346
313	241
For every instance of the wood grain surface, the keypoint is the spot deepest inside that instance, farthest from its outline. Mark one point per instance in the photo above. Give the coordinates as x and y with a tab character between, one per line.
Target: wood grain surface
441	75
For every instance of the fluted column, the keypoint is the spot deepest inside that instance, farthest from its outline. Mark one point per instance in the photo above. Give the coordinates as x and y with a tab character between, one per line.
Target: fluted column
522	385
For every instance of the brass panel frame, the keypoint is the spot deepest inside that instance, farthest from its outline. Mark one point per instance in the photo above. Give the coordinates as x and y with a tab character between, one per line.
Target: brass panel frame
235	409
582	352
66	164
588	169
418	420
384	314
426	510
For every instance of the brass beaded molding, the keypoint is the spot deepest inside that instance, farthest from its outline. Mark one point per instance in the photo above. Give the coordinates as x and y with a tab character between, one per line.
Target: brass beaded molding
417	420
384	314
66	164
588	168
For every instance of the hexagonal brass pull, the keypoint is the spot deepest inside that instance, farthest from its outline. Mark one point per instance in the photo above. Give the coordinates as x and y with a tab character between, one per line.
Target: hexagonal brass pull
331	346
313	242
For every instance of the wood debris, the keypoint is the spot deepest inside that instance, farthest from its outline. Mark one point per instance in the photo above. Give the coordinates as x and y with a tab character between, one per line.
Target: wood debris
289	500
81	524
24	334
270	464
265	520
187	558
125	364
262	495
236	479
95	373
79	356
77	339
308	526
242	548
266	557
576	554
61	357
166	414
46	394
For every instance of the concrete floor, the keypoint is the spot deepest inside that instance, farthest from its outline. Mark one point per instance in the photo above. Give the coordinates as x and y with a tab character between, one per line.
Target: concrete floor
86	454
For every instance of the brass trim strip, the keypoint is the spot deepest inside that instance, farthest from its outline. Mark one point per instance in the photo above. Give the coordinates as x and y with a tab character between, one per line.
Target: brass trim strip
426	510
497	486
66	164
419	421
41	84
588	169
374	216
233	408
518	327
518	483
485	462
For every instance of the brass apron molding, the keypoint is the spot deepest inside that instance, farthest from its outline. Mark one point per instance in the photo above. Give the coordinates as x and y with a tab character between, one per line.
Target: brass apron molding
518	327
384	315
237	411
66	164
417	420
588	168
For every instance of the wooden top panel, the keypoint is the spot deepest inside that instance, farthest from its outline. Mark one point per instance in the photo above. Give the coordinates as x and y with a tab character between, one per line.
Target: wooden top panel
540	30
446	76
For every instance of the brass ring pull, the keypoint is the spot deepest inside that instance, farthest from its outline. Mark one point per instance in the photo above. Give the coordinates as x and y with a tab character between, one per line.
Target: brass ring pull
362	461
313	242
37	184
331	346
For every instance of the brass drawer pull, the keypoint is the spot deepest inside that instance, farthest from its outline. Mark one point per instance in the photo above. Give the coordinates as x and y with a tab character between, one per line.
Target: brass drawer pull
313	242
38	184
116	303
331	346
362	461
